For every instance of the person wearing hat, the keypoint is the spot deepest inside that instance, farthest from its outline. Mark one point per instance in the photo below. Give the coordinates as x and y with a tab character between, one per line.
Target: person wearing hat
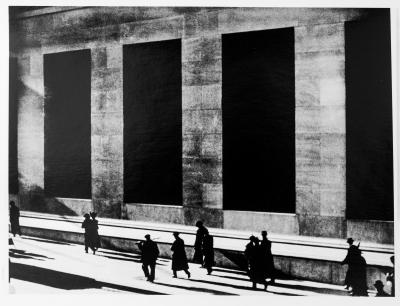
349	260
86	226
268	261
93	233
379	288
179	259
198	244
254	256
150	253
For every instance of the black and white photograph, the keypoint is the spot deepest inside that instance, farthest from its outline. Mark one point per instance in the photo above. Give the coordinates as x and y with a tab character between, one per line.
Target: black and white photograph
202	150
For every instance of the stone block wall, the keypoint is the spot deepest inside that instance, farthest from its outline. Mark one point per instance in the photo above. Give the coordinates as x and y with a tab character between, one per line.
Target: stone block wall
319	121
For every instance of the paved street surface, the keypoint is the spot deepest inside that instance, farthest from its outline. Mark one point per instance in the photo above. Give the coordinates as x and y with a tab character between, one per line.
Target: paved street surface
47	266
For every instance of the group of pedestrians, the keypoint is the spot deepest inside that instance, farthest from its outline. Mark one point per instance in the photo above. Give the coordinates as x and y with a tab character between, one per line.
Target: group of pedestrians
356	276
260	261
91	226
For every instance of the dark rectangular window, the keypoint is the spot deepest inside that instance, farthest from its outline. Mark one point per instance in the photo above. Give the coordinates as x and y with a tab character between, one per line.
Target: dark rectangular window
369	170
153	123
13	129
258	107
67	127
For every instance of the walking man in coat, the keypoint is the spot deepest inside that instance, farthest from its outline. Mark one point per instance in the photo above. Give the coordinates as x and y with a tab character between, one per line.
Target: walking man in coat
350	260
86	226
150	253
208	251
198	244
268	263
14	219
179	259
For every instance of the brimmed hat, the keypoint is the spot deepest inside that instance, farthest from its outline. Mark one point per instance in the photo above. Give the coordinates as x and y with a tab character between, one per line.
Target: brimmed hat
350	240
199	223
86	215
147	236
93	214
264	233
176	234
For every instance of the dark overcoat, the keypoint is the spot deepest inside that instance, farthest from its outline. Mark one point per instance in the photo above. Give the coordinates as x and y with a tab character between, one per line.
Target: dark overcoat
268	259
150	252
14	220
179	259
254	258
198	245
208	251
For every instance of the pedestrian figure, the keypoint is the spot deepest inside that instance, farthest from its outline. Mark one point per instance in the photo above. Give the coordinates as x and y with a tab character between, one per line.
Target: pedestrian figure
198	244
254	256
208	251
379	288
86	226
179	259
268	261
390	277
358	278
14	219
92	233
349	260
150	253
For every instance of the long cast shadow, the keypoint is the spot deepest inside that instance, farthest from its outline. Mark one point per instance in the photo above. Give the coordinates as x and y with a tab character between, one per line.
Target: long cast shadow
14	253
46	240
119	254
312	289
128	259
222	284
216	292
66	281
230	271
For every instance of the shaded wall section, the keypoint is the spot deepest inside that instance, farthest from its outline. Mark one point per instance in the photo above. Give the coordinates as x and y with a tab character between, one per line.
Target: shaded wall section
13	128
258	103
152	97
369	118
67	124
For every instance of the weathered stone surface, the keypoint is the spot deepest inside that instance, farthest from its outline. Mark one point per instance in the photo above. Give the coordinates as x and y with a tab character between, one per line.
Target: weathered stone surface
109	123
109	100
203	23
258	221
151	30
212	196
308	201
333	202
202	97
203	121
104	147
202	48
210	217
316	38
107	208
201	73
371	230
310	270
322	226
155	213
254	19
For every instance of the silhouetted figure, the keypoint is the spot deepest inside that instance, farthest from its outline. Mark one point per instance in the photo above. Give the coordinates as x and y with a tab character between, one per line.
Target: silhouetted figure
254	256
208	251
390	277
92	233
198	244
150	253
268	261
350	257
357	278
179	259
14	219
86	225
379	288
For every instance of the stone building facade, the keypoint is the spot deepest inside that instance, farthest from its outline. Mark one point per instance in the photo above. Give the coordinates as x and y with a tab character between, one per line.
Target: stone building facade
319	108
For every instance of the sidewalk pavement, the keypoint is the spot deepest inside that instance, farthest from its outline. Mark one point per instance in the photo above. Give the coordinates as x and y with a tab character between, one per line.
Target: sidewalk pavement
47	266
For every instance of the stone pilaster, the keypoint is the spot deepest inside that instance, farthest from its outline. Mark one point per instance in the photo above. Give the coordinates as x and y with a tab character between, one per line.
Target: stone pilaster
107	131
320	130
202	129
30	99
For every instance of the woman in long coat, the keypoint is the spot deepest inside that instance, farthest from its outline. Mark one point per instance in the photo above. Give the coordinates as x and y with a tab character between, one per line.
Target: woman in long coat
179	259
14	219
208	251
198	244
